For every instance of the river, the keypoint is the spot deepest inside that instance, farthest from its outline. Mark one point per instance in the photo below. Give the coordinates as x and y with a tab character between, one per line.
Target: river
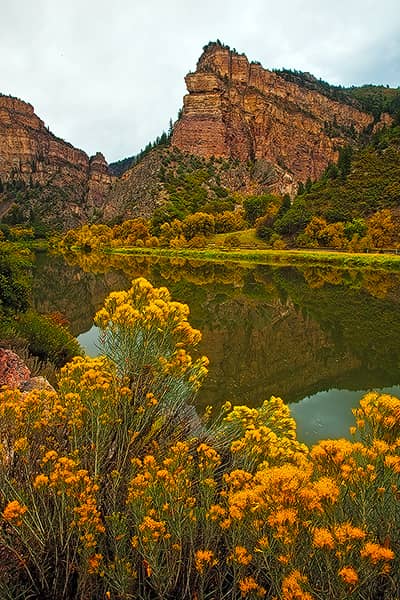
317	337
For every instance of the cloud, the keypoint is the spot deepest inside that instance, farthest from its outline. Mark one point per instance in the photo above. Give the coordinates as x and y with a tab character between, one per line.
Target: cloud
109	76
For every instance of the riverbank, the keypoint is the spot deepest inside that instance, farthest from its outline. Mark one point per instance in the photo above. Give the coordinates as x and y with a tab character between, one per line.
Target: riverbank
281	257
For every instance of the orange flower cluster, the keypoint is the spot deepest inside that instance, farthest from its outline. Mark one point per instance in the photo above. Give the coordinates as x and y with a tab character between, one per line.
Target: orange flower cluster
293	587
204	560
13	512
107	474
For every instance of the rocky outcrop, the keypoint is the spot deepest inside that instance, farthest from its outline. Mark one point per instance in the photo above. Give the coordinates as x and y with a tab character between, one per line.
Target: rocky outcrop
13	370
15	374
138	191
99	181
236	109
60	184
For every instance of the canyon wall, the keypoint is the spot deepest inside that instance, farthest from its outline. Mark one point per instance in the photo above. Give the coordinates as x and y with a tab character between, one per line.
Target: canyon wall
237	109
66	186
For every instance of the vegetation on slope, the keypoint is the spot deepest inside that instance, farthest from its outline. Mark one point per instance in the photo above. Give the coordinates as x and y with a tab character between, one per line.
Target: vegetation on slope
347	208
119	167
355	204
39	206
375	99
21	327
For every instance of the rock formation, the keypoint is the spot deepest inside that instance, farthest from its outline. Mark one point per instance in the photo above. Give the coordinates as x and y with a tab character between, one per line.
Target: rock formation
69	187
270	130
237	109
15	374
13	370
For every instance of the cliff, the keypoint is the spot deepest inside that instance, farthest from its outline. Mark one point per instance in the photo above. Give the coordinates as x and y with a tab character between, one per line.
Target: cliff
42	174
237	109
244	130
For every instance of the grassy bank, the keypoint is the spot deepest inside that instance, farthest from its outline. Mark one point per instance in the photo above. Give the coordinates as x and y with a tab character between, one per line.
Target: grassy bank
281	257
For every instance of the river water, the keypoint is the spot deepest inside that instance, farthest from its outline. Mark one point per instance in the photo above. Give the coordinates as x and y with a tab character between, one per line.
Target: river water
317	337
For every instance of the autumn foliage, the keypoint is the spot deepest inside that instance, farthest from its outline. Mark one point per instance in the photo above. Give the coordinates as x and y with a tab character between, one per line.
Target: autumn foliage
113	487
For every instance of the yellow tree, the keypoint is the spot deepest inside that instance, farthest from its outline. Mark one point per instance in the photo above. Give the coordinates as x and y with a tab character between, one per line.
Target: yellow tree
382	229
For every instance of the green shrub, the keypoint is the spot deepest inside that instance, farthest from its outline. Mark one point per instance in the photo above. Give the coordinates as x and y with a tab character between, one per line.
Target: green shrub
232	241
14	281
46	339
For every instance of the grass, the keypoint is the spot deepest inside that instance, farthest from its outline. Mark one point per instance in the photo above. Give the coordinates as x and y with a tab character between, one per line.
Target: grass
252	249
270	256
246	237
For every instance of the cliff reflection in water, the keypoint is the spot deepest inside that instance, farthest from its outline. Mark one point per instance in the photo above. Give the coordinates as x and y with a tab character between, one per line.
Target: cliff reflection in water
267	330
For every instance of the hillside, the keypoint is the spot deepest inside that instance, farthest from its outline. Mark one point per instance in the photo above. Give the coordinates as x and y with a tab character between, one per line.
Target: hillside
237	109
243	131
364	183
175	184
43	179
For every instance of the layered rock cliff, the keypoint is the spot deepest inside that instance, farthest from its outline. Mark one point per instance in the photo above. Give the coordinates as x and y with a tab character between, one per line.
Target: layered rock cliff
254	130
237	109
56	182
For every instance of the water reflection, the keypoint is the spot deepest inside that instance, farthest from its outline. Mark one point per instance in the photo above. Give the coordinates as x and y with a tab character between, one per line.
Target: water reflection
313	336
329	411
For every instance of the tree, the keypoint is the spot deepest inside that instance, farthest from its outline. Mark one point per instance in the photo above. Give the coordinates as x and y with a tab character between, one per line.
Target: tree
170	129
344	161
355	227
256	206
284	207
264	224
295	219
198	224
382	231
228	221
315	230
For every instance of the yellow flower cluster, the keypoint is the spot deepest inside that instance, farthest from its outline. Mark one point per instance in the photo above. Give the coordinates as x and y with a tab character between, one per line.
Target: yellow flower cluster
145	306
208	458
376	553
322	538
267	434
85	375
28	416
144	326
240	556
248	585
382	414
66	478
204	560
349	575
152	529
13	512
292	587
179	363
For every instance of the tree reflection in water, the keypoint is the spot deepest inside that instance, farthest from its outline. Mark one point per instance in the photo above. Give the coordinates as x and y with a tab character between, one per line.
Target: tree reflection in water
268	330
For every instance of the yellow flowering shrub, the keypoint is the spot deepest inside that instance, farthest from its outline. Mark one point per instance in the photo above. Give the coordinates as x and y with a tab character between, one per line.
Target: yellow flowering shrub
263	435
112	487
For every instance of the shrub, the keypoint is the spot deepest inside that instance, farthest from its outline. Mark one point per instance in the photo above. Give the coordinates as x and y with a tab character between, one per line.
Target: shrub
46	339
113	488
14	281
198	241
232	241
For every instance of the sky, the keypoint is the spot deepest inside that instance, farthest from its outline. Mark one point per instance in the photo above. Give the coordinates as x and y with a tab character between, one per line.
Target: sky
109	75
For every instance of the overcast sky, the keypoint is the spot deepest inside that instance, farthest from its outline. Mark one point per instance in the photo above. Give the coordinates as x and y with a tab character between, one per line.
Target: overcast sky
108	75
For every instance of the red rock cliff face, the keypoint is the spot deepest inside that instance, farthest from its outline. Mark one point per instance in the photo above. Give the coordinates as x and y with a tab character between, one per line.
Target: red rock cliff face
237	109
29	152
